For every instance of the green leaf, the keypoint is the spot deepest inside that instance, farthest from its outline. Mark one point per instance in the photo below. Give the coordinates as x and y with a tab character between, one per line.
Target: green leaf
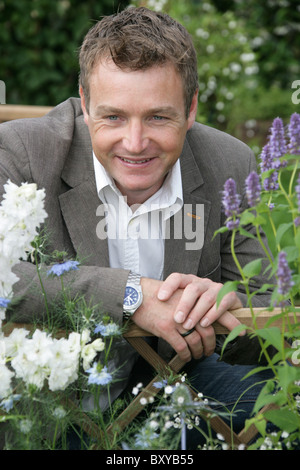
246	233
220	230
272	335
232	335
281	231
287	375
230	286
247	218
253	268
284	419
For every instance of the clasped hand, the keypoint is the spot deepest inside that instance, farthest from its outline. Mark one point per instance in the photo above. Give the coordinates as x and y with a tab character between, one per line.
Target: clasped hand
183	302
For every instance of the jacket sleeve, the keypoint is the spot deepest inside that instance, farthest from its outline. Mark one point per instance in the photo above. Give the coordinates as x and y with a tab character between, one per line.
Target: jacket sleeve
102	286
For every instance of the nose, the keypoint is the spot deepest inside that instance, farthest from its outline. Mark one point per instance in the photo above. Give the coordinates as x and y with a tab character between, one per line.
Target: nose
135	139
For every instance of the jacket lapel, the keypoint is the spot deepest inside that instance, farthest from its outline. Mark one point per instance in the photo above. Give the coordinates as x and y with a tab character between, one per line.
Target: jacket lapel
182	252
80	203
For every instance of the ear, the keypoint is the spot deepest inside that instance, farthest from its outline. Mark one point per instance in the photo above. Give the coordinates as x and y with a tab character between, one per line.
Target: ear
193	110
83	106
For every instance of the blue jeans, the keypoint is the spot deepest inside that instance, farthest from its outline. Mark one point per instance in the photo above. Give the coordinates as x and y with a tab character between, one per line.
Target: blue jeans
223	383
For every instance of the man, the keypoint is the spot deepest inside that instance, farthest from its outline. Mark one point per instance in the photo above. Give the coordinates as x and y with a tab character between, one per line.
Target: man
128	150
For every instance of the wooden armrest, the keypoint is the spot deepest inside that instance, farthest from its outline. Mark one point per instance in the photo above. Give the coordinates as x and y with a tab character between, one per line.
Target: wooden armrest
9	112
262	317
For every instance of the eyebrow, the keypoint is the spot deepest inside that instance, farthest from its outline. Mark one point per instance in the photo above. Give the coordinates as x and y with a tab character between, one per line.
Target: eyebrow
164	110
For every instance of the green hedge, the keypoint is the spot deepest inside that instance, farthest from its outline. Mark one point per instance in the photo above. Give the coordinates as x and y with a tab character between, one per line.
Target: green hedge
39	41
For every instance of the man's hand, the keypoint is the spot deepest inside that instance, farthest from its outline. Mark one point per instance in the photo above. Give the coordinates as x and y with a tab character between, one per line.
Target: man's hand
157	317
197	306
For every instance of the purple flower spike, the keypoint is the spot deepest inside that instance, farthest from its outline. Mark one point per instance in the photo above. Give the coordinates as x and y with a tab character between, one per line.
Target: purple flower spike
284	274
294	134
253	189
268	163
277	140
231	202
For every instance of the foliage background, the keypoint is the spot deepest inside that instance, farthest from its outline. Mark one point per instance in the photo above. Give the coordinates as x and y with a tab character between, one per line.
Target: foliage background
249	54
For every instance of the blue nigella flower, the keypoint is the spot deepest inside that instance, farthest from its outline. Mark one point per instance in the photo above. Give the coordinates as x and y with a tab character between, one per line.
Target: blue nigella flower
99	375
4	302
109	329
61	268
7	403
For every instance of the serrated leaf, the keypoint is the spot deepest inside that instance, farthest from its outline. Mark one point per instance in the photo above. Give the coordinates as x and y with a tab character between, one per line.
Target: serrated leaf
284	419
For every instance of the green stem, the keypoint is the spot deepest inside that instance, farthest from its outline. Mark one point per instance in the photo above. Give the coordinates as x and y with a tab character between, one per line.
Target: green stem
245	282
43	288
66	300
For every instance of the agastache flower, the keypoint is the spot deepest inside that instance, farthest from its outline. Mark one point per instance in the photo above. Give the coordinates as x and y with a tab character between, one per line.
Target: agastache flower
267	163
253	189
231	203
284	274
277	142
294	134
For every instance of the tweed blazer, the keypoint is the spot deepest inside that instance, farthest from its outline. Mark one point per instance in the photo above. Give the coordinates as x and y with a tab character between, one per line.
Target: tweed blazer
55	152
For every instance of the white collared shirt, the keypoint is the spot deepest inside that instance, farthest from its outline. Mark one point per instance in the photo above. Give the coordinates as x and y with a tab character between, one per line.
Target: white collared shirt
136	237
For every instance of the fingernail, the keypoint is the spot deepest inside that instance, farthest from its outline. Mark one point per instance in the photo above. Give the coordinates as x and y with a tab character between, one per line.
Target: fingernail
204	323
179	317
188	324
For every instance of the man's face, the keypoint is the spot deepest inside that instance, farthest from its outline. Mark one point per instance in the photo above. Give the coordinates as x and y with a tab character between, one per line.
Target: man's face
137	124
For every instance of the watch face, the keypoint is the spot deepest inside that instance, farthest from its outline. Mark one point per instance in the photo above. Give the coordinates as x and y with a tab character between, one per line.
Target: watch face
131	296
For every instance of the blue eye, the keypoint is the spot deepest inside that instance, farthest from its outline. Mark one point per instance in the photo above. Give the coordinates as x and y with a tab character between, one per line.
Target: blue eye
112	118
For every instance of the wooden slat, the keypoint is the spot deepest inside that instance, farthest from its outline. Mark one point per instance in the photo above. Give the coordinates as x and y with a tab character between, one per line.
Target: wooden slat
262	317
9	112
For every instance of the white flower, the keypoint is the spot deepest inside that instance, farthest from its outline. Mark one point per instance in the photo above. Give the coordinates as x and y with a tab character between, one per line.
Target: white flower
89	352
59	412
5	381
25	426
21	213
15	341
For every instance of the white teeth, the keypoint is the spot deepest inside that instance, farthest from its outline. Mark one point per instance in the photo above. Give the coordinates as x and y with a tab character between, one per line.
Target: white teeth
134	161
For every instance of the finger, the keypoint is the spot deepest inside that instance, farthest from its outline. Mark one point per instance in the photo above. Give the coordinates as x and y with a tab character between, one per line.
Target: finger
180	346
208	339
229	321
204	298
229	302
194	342
173	282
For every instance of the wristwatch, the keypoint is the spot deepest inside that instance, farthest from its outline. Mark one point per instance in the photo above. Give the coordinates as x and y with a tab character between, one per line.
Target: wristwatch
133	295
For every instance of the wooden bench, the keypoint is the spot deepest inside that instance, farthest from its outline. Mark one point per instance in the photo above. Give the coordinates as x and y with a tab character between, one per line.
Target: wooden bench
9	112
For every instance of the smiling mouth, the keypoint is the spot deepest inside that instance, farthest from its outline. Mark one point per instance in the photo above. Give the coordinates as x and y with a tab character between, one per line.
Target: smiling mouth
135	162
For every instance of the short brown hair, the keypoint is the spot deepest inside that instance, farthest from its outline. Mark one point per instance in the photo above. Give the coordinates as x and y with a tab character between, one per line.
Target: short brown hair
138	38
